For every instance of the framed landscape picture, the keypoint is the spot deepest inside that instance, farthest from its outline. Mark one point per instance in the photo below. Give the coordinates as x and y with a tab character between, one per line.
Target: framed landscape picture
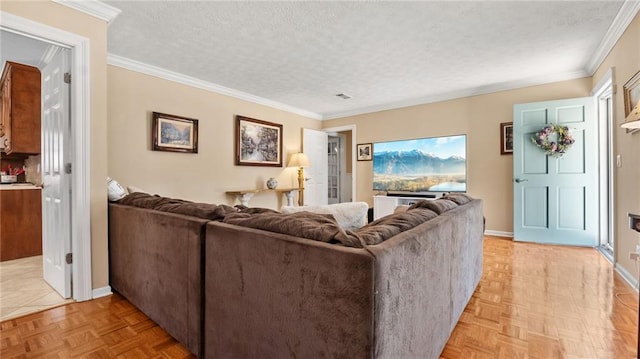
174	133
258	143
506	138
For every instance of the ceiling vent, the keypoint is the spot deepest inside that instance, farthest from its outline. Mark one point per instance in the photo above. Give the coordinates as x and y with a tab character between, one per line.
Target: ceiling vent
343	96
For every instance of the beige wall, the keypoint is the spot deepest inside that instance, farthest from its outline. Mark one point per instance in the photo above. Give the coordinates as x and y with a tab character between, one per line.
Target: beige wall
489	174
204	176
625	59
61	17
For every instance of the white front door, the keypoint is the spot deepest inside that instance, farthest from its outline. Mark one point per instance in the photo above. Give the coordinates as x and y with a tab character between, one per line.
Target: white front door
314	145
56	218
555	198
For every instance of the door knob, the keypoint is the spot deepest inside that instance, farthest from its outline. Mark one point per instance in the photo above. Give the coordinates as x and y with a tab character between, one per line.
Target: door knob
518	180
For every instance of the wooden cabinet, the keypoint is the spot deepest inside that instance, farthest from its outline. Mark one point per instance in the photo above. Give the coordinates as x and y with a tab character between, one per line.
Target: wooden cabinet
20	223
20	108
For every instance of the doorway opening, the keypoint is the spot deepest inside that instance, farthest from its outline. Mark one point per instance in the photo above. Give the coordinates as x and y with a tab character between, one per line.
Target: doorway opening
26	284
80	147
341	176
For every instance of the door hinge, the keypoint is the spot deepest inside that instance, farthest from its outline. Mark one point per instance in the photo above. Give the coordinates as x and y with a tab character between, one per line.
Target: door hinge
67	168
69	258
67	77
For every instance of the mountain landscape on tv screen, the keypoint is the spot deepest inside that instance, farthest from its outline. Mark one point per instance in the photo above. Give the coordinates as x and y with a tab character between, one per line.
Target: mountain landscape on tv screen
418	171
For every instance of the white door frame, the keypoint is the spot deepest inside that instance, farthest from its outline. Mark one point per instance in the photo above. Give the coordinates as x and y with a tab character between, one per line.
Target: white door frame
80	142
606	163
351	128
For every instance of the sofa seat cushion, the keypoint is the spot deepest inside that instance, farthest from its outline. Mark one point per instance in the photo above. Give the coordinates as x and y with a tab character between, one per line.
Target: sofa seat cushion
388	226
315	226
349	215
201	210
439	205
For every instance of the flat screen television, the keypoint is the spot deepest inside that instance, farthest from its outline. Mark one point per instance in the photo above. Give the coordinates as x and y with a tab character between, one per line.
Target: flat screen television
421	166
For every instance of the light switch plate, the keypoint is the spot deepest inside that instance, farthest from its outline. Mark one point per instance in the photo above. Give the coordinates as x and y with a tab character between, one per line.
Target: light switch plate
619	160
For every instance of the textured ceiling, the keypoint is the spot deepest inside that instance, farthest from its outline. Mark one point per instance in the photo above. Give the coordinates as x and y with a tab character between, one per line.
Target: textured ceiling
382	54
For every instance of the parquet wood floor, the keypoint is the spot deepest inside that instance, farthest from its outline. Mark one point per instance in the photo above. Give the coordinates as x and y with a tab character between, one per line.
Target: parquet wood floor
544	301
108	327
533	301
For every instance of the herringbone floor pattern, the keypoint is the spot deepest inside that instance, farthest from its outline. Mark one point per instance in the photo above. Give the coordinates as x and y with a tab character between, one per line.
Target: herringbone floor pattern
533	301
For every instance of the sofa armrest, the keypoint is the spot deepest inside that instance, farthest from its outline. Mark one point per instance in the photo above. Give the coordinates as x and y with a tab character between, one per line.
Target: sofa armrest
413	291
270	295
155	261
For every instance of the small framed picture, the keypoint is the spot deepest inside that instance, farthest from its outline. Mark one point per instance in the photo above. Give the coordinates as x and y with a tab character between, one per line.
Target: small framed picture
258	143
174	133
365	152
506	138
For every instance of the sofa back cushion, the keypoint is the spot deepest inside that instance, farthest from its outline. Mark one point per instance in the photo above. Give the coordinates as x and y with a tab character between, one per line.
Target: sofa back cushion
348	215
316	226
388	226
439	205
458	198
201	210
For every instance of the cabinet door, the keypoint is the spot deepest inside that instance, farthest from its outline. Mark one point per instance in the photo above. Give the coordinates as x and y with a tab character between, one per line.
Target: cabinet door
5	114
21	108
1	114
21	229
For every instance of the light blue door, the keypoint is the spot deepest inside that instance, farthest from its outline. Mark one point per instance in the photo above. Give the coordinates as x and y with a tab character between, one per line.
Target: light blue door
555	198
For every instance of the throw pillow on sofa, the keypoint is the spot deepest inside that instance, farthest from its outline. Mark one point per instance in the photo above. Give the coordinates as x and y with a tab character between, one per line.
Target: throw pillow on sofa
115	191
349	215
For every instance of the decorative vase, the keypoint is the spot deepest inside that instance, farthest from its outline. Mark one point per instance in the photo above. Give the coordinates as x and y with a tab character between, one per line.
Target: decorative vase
272	183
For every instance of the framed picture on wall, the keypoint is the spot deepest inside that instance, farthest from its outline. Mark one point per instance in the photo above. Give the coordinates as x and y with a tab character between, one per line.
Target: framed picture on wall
506	138
631	90
365	152
174	133
258	143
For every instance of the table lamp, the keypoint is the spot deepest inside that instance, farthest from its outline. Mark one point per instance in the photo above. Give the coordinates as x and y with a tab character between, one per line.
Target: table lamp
300	160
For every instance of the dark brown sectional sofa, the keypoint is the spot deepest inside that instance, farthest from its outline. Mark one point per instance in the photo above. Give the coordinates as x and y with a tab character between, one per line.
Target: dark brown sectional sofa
226	290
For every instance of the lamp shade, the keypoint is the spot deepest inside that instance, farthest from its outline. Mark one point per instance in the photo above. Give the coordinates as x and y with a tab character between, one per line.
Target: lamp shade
299	160
633	120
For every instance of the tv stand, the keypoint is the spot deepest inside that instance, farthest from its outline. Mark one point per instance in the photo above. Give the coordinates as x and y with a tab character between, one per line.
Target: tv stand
412	195
385	205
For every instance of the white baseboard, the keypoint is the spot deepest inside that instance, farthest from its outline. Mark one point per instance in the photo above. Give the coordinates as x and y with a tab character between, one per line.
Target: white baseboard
101	292
490	232
628	277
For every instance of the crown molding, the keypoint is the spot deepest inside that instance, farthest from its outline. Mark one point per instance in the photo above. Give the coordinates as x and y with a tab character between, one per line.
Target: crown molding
147	69
92	7
627	12
48	55
482	90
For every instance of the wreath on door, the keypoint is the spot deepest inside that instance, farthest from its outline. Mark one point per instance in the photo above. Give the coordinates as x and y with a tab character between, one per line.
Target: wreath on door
544	140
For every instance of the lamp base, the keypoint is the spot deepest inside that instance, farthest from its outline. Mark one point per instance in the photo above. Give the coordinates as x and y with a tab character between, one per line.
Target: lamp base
300	186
